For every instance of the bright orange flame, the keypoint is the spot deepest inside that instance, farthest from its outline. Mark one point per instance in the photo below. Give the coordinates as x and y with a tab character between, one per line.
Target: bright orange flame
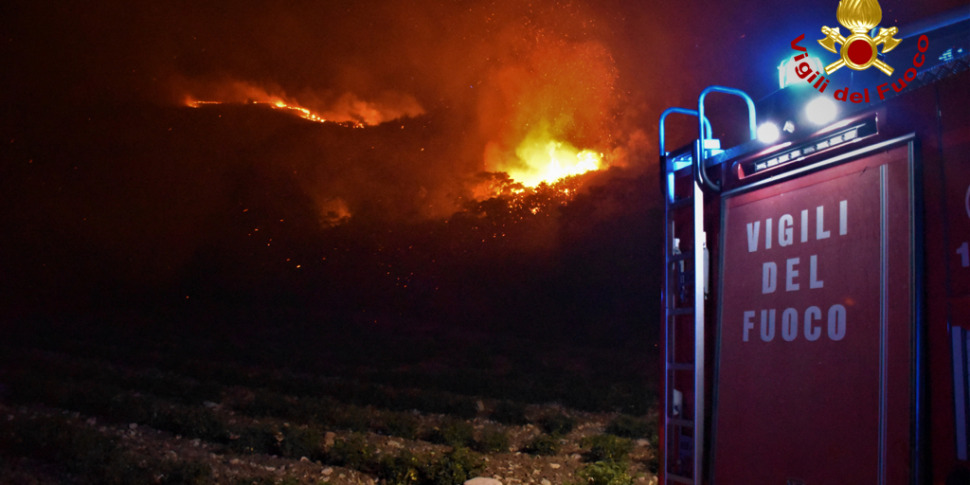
546	114
276	103
545	159
347	109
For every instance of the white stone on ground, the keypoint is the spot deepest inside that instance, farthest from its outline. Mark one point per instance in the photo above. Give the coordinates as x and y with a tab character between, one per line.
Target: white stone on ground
482	481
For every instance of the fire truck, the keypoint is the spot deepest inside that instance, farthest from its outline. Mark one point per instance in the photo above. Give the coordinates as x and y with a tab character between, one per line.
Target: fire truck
816	304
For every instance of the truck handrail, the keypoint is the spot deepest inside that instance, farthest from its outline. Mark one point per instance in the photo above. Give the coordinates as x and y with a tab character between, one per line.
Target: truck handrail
700	171
705	123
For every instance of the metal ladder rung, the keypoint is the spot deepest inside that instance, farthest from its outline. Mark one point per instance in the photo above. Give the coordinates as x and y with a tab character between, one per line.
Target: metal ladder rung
684	423
684	309
679	479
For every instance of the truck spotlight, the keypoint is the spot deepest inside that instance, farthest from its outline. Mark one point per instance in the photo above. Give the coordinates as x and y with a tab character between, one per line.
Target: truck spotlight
768	132
821	110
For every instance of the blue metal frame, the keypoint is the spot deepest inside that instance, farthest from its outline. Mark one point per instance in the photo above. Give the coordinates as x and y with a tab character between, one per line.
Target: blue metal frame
668	171
700	171
668	166
705	123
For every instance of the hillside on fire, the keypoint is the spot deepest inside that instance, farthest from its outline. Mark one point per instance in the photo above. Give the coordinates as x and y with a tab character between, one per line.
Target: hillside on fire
231	292
207	211
349	242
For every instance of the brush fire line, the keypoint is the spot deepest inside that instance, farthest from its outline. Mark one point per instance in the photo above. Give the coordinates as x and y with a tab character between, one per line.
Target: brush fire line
811	323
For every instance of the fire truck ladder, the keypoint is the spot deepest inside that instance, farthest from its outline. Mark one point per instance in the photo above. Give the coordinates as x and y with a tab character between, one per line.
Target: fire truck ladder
683	298
685	289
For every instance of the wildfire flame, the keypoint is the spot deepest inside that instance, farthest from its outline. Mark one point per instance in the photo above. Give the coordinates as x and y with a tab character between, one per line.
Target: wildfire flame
545	159
859	16
322	107
547	114
275	103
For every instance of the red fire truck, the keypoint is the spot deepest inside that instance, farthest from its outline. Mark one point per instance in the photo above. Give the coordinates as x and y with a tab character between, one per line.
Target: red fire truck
817	291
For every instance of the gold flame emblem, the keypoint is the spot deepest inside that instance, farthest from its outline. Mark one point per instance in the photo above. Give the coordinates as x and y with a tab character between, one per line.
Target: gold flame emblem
859	50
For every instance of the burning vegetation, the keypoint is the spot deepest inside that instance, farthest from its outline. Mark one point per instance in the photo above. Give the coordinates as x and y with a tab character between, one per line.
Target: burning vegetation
346	109
547	160
548	115
312	159
529	91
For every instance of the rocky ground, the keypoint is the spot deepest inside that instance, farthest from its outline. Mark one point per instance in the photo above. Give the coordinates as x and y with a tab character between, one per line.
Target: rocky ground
72	416
151	446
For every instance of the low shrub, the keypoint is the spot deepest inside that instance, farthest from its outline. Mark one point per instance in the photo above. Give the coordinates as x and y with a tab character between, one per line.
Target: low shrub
303	441
631	427
56	439
604	473
402	469
457	466
453	432
91	456
266	403
510	413
255	439
543	444
191	421
459	406
492	440
401	424
607	448
557	424
353	452
352	418
287	441
181	473
318	410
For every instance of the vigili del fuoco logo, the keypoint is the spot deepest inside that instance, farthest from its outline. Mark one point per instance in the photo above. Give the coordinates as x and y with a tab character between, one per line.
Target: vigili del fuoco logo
859	51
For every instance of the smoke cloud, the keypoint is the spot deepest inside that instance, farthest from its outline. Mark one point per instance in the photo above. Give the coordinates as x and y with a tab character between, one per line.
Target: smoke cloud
101	150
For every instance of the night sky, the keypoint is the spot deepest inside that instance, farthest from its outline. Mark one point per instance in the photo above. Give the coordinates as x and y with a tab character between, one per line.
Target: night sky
119	198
